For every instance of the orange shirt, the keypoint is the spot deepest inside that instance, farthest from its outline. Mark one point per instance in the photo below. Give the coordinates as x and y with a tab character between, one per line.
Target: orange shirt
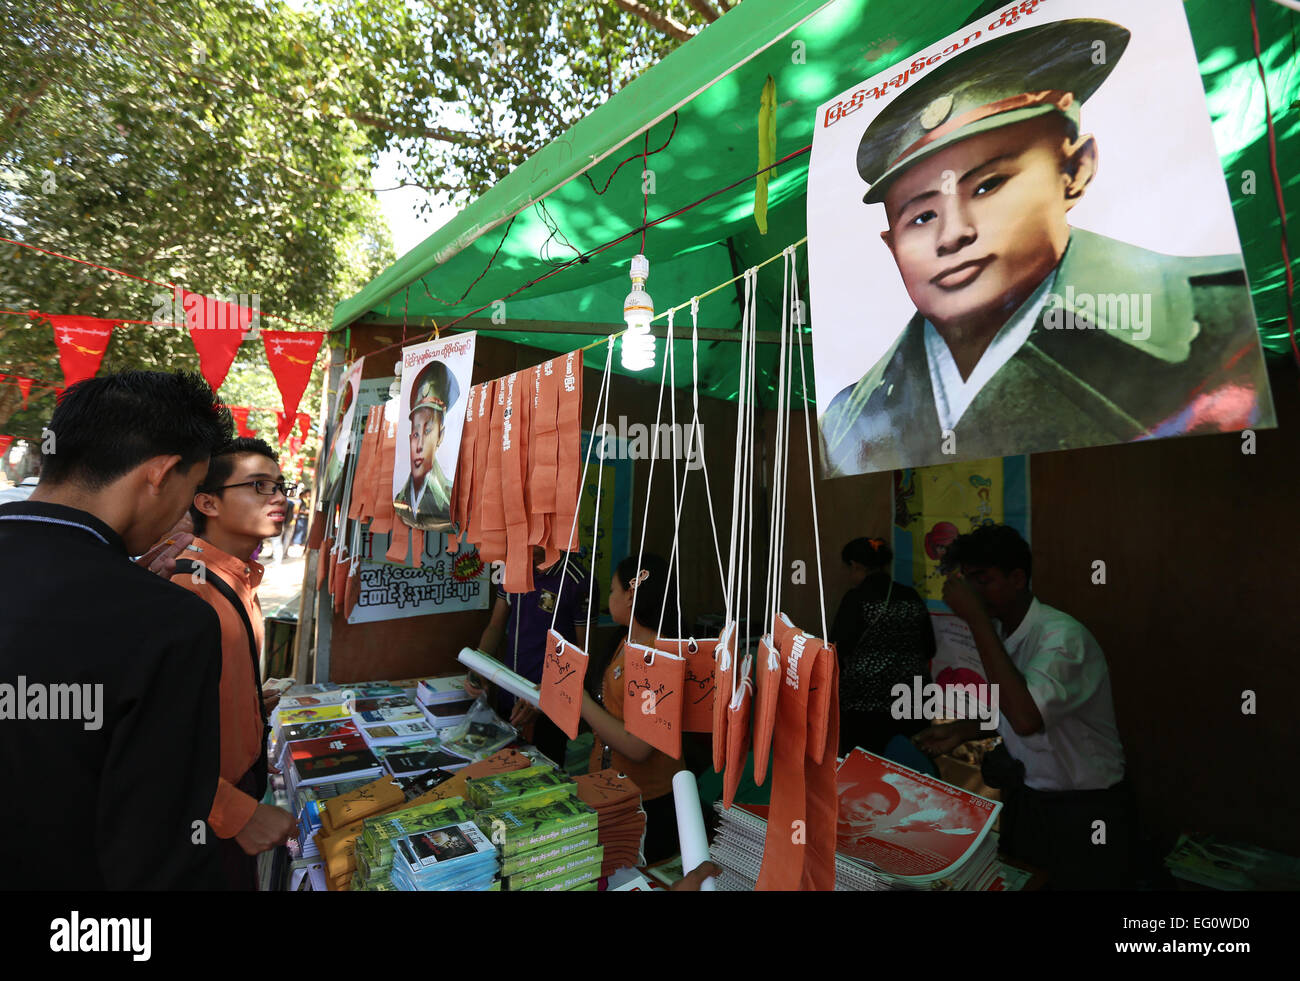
655	775
241	702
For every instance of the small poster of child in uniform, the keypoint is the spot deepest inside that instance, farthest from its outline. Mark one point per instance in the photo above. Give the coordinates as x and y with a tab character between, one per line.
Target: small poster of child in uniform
435	379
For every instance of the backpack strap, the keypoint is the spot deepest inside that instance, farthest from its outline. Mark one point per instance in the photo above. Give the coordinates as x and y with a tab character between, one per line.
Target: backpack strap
225	589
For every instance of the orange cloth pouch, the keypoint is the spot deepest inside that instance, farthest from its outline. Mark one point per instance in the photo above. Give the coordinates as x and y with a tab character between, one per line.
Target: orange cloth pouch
738	734
697	707
652	706
769	689
563	671
493	526
787	826
821	793
723	666
514	469
568	456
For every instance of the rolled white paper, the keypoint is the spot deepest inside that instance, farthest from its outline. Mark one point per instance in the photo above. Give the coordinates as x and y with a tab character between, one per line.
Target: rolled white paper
690	826
490	669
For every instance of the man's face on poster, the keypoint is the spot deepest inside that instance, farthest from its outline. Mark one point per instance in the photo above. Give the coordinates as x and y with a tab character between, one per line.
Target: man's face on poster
426	437
977	226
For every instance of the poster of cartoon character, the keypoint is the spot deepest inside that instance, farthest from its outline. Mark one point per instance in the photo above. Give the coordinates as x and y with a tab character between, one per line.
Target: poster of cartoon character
1021	240
431	418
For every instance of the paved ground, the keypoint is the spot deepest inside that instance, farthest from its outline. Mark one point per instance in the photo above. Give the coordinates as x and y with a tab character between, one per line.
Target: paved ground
281	587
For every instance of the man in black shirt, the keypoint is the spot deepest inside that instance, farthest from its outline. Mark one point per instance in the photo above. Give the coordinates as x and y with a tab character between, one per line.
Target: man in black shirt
109	739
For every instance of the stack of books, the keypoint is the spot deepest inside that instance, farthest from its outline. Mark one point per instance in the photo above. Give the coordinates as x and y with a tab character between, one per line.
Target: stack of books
373	852
548	842
451	857
409	759
444	700
328	759
897	830
392	733
1217	863
617	801
502	789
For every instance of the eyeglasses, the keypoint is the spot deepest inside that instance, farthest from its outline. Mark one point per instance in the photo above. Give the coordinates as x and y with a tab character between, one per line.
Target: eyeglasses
266	488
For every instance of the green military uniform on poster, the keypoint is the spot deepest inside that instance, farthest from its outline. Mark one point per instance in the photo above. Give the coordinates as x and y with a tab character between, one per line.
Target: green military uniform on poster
426	504
1030	334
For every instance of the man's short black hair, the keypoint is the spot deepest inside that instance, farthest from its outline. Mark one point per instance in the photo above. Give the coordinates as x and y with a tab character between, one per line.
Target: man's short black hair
869	552
998	546
103	427
220	469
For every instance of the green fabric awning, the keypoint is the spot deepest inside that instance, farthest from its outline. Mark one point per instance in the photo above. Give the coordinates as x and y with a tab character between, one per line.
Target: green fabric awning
703	102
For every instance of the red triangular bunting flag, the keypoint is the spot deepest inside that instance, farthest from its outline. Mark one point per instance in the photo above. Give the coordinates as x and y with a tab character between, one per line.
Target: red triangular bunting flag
292	356
283	425
217	329
304	426
5	441
81	342
240	413
24	386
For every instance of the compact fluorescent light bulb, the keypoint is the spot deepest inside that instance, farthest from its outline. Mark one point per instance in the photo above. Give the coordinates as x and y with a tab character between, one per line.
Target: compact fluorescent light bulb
638	310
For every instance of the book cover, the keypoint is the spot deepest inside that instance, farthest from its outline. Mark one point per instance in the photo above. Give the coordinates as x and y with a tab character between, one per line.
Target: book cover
318	730
326	746
337	766
321	713
905	823
534	823
574	867
547	854
400	714
509	788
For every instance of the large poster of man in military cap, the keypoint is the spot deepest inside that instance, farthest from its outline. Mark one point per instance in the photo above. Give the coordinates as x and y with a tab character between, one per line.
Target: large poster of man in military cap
1021	240
435	377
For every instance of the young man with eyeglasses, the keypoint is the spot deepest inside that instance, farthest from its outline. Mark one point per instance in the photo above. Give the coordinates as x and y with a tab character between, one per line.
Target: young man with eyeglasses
240	504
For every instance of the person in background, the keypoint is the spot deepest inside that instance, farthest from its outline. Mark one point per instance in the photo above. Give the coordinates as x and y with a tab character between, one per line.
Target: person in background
649	768
1060	766
524	620
115	788
238	506
883	637
22	490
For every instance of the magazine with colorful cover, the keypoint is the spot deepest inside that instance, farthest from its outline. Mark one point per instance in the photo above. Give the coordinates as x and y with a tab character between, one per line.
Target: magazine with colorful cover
382	829
360	705
905	823
320	713
577	879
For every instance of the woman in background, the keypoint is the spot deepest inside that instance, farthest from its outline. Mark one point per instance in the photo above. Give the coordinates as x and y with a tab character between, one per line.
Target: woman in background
883	637
650	769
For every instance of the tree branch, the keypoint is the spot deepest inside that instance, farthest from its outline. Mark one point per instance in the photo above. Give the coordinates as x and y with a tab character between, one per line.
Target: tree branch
655	19
704	9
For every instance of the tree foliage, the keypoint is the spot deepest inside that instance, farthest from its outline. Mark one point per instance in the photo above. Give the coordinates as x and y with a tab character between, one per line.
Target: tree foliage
226	146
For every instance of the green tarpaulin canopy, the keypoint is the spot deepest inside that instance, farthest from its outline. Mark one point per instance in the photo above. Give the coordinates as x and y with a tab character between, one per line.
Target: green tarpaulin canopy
701	105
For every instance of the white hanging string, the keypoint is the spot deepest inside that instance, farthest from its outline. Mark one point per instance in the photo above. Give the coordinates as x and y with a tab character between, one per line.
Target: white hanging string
674	557
812	482
774	518
784	436
645	513
602	399
747	518
697	439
